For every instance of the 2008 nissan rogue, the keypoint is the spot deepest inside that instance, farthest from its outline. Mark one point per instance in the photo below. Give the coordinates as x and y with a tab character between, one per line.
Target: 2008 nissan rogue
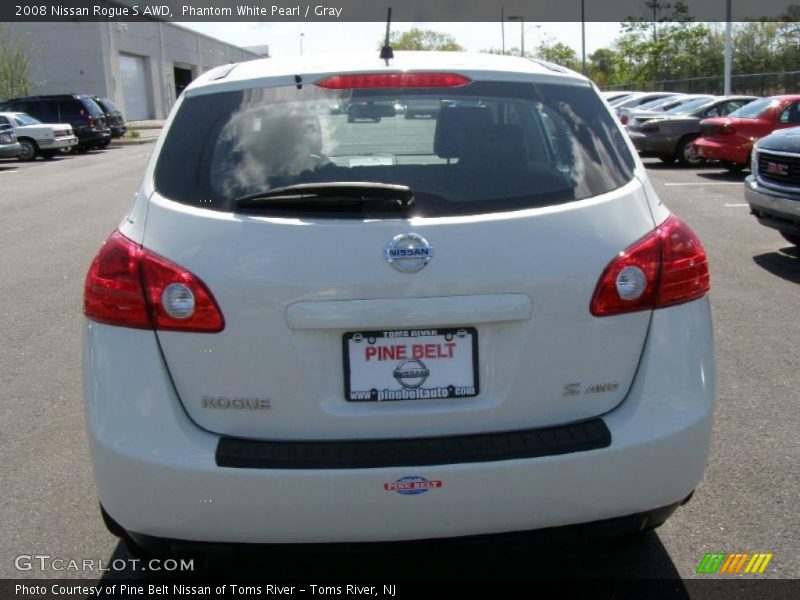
313	330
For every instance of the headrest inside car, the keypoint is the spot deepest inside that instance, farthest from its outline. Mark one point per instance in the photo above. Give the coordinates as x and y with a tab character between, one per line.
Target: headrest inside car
457	126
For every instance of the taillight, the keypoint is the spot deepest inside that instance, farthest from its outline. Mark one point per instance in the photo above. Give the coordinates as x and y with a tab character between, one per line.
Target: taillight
90	121
623	119
129	286
666	267
727	129
393	80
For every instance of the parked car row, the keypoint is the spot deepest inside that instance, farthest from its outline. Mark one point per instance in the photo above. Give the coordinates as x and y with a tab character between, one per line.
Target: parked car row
370	110
692	128
45	125
738	131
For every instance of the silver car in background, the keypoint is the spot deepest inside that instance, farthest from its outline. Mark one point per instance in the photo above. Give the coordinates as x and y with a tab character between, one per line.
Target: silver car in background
657	107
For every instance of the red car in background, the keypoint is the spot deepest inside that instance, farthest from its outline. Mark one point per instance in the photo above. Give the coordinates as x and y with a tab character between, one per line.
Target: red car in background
730	139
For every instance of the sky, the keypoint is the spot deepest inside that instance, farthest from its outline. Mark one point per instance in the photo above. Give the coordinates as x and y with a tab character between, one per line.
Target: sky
284	38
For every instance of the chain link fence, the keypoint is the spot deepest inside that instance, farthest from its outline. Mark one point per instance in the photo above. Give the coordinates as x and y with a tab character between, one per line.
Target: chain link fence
753	84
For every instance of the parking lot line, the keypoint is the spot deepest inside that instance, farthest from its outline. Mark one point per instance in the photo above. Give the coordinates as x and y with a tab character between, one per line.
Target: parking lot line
707	183
733	205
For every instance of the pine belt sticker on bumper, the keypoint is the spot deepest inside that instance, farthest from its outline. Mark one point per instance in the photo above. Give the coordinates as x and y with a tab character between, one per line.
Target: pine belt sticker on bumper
412	485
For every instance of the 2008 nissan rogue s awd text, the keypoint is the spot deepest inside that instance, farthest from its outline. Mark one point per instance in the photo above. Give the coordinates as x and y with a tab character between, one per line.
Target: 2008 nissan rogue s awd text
314	330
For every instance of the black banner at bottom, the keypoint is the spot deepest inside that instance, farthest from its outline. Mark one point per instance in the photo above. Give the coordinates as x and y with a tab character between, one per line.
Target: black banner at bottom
199	588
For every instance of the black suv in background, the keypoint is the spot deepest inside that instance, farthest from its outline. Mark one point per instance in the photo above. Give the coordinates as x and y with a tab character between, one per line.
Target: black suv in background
79	110
114	116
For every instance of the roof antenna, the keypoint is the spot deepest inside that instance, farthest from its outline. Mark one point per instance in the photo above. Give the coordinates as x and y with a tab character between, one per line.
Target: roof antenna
387	52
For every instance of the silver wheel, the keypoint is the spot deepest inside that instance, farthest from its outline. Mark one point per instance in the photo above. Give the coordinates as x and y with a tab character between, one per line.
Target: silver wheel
28	151
686	153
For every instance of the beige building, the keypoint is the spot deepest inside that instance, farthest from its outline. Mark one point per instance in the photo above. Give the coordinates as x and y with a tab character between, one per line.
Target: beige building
143	66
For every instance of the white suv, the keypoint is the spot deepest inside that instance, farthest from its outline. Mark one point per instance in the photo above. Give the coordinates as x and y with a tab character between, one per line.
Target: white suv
311	330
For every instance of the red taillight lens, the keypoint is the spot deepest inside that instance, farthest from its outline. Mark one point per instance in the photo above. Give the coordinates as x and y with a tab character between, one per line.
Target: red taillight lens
623	119
674	267
393	80
126	286
90	121
113	291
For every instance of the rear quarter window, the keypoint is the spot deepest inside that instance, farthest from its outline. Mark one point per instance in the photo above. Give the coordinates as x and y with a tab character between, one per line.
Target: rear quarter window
480	148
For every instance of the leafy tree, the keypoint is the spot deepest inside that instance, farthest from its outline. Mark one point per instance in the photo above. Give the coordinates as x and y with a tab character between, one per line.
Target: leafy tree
666	47
601	65
15	55
557	52
549	49
422	39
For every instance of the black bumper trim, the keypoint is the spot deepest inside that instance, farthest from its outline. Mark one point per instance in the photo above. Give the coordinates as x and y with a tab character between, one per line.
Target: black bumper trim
413	452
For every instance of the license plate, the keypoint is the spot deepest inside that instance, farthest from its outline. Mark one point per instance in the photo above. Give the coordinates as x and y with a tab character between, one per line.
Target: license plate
410	364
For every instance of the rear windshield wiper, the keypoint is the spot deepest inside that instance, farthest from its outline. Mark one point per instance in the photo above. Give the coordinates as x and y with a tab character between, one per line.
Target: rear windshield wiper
330	194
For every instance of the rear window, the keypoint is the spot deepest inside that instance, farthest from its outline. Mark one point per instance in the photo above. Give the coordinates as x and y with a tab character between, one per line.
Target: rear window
689	106
108	105
479	148
26	120
755	109
656	103
92	107
80	107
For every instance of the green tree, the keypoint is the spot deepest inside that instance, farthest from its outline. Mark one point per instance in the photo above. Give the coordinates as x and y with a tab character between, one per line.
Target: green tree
601	65
666	47
557	52
15	52
422	39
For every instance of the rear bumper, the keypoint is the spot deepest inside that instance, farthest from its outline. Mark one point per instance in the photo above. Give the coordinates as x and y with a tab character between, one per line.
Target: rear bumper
90	137
733	152
157	475
626	525
654	144
58	143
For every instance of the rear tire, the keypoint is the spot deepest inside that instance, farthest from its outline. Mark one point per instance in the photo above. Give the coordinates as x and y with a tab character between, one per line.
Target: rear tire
686	154
791	238
29	150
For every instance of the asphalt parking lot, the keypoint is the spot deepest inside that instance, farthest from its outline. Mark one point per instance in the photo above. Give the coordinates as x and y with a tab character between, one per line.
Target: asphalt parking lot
53	217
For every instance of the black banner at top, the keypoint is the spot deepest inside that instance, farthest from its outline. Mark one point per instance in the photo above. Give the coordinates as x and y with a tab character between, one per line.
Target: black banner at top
403	10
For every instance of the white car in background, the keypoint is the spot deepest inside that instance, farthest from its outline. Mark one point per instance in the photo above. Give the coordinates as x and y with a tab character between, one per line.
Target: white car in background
37	138
309	330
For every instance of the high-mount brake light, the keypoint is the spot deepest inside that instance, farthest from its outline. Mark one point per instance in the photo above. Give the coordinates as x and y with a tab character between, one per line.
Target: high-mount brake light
666	267
130	286
393	80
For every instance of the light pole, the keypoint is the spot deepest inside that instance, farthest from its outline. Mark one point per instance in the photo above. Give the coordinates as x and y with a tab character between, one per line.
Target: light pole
521	20
503	27
583	37
529	27
728	50
301	43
